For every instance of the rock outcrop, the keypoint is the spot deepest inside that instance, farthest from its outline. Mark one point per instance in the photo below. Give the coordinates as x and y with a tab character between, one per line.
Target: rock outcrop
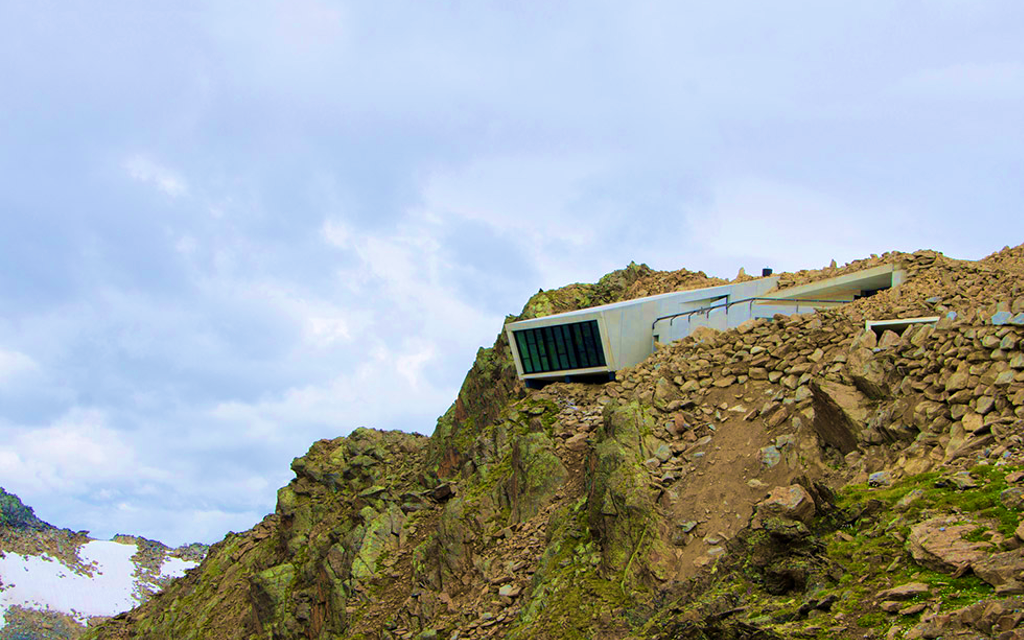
793	477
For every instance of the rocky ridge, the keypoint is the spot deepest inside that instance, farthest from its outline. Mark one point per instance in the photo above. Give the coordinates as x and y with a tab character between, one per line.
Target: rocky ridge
36	557
801	477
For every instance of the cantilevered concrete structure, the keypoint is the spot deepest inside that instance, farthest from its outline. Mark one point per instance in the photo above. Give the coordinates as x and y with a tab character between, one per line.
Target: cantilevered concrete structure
600	340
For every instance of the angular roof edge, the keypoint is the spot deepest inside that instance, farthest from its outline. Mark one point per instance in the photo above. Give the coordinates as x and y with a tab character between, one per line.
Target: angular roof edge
693	294
872	278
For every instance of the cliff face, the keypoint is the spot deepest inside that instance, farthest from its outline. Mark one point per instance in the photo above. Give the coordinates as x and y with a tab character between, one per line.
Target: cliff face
801	477
491	383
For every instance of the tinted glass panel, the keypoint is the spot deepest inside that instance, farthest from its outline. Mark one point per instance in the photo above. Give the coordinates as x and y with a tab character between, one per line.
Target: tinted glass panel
524	353
560	348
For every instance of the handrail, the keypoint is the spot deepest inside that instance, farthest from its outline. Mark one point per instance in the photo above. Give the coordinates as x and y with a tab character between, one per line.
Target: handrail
709	309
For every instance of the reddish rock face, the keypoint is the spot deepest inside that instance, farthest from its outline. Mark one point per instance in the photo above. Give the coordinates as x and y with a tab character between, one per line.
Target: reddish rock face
904	591
939	545
1002	570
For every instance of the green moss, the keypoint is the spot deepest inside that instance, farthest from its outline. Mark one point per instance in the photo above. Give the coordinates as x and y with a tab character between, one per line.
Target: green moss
875	541
16	515
569	597
488	477
873	619
978	534
375	543
982	501
540	474
870	551
621	508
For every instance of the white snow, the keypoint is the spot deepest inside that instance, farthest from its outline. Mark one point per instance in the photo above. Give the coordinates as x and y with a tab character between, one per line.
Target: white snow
175	567
43	582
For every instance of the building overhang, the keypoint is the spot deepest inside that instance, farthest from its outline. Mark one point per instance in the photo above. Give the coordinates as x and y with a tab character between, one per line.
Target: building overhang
623	333
845	286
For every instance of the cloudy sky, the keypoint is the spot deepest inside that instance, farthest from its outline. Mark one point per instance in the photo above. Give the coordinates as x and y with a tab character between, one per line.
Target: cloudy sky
231	228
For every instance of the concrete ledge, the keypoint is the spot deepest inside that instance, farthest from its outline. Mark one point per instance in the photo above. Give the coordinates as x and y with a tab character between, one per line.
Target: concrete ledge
898	325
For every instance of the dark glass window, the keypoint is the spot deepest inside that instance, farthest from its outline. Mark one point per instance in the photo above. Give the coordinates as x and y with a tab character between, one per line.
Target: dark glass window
560	348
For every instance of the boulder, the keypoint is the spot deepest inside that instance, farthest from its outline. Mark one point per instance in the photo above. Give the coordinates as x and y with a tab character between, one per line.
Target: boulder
868	374
938	544
1012	498
664	393
963	480
578	441
909	499
889	339
973	422
958	381
770	456
968	446
1002	570
840	414
726	381
880	479
792	503
904	591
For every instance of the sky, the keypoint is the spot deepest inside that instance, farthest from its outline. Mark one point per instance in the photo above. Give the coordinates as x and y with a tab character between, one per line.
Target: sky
231	228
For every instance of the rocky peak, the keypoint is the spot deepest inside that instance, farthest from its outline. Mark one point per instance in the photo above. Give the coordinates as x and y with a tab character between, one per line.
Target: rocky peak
15	515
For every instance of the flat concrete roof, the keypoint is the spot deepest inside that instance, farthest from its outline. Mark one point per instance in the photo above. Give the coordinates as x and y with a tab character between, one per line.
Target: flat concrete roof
688	294
864	280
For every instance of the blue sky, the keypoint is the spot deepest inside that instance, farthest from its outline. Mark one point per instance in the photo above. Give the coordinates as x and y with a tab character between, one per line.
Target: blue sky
233	228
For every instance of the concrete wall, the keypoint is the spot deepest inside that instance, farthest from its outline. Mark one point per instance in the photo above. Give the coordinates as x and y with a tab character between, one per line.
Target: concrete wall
626	327
629	329
719	316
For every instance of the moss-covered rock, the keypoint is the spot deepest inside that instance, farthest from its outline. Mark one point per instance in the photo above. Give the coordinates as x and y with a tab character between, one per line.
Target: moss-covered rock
16	515
621	504
537	474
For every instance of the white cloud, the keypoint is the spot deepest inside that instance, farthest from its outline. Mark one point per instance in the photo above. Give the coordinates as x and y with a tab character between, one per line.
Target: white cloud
336	232
73	453
971	81
366	393
186	245
147	170
411	277
410	366
531	194
318	320
325	331
550	208
14	364
796	227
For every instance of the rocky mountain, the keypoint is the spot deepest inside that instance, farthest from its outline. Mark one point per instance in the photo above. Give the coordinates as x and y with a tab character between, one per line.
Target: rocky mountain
799	477
55	582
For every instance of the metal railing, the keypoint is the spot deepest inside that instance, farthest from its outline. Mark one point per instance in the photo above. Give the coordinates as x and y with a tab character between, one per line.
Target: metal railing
707	310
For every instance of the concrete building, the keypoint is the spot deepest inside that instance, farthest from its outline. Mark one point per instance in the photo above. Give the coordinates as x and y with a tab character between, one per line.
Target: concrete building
598	341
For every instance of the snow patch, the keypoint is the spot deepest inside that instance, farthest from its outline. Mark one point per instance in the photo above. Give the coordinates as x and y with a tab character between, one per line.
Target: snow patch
175	567
44	582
